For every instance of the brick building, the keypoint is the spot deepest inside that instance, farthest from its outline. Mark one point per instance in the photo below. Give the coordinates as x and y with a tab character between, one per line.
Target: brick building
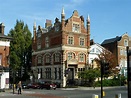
118	46
61	50
4	58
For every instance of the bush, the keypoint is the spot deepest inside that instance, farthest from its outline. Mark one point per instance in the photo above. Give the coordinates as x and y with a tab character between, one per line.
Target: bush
110	82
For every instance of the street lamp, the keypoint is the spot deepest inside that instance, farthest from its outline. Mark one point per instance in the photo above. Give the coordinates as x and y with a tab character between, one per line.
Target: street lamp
129	71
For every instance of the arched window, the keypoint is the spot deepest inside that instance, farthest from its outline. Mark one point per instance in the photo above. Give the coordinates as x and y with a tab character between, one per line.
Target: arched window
57	57
47	59
81	57
125	42
71	55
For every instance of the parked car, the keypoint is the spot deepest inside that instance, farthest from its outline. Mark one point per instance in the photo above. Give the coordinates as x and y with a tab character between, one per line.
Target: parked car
47	85
24	86
33	85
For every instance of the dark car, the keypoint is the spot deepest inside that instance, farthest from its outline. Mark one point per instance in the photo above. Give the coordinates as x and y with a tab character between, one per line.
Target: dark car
33	85
24	86
47	85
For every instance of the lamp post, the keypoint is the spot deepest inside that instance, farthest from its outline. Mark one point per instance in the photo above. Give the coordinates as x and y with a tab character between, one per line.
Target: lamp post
129	71
5	55
102	63
13	81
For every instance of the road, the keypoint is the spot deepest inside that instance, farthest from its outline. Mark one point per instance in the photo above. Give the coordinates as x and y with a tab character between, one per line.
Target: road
67	93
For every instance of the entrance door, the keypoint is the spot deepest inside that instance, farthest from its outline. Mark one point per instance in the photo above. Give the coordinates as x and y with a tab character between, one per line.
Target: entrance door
71	73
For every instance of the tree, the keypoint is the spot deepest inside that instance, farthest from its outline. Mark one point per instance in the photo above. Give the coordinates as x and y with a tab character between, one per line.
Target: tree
90	75
20	48
108	58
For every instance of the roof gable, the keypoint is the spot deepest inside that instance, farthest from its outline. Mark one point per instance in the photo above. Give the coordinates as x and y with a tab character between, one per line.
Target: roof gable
96	48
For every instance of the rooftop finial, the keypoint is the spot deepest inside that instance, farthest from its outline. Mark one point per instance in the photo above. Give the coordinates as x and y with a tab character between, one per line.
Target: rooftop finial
88	18
63	12
34	23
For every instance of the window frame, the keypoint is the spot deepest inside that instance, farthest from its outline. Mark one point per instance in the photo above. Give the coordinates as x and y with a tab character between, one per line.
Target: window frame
70	40
47	42
81	57
125	42
39	59
47	58
76	27
81	41
57	57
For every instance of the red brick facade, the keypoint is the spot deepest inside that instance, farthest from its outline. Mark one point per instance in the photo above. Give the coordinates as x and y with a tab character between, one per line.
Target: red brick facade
4	47
4	58
118	47
60	48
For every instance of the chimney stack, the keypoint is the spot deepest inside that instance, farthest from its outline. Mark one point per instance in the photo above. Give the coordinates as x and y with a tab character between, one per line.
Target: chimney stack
48	23
2	28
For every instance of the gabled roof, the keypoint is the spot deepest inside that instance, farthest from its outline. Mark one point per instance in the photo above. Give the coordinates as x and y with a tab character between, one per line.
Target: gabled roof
96	46
107	41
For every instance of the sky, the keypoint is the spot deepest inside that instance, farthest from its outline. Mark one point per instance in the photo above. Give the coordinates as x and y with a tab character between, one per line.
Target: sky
109	18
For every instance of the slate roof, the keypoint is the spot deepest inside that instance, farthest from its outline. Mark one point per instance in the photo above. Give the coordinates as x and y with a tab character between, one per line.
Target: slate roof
5	37
112	40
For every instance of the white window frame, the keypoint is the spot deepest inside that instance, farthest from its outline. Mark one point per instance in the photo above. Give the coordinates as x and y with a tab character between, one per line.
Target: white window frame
76	27
121	51
70	40
125	42
82	41
70	55
81	57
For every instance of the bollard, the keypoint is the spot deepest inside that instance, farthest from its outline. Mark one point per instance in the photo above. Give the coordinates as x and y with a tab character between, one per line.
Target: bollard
118	96
94	96
104	93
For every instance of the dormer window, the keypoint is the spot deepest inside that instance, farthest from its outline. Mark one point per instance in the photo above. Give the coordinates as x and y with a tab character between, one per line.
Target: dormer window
56	28
76	27
38	34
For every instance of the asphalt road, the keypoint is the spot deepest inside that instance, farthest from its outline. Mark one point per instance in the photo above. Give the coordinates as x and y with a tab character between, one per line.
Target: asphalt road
83	92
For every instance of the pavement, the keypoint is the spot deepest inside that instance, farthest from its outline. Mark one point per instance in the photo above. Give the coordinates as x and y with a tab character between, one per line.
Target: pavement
31	94
25	94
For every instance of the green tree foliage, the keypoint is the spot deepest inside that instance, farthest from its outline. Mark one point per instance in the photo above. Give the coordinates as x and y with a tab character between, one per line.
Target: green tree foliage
90	75
20	48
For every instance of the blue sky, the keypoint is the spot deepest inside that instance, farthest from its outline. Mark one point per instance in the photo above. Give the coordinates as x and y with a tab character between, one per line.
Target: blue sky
109	18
